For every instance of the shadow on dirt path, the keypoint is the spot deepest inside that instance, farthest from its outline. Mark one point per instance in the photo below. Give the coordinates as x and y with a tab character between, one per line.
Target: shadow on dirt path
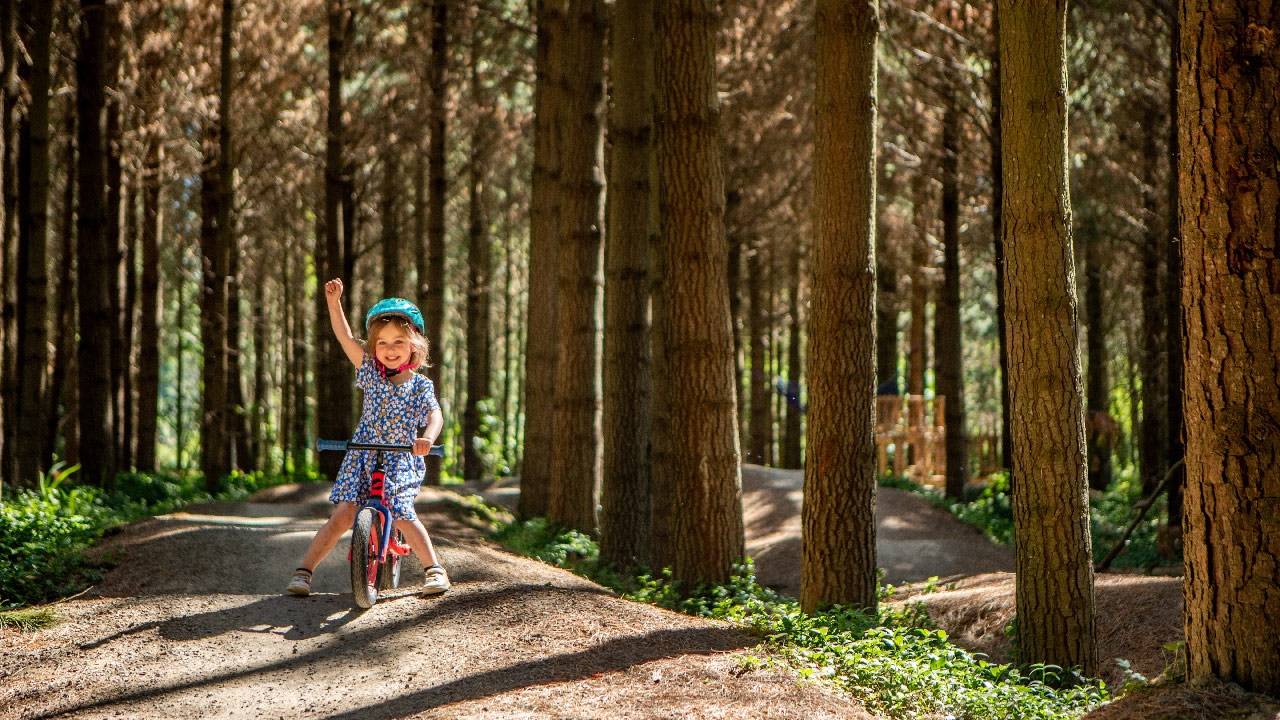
191	623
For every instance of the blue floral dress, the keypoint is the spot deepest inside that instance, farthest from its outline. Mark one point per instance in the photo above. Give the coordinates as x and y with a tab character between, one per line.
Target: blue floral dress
392	414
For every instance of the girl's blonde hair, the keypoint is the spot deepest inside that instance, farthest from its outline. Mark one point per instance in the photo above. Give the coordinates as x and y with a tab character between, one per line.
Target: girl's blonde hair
421	349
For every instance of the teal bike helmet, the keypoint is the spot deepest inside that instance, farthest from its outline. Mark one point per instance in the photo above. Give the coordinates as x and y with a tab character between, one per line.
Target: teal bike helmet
398	307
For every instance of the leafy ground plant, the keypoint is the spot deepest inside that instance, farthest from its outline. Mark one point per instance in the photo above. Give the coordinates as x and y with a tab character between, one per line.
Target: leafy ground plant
894	662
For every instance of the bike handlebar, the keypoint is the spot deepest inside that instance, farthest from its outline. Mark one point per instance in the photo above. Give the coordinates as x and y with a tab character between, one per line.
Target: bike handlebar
345	445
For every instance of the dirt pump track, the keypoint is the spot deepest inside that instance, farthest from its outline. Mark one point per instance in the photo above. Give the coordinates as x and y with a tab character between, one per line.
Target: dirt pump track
192	623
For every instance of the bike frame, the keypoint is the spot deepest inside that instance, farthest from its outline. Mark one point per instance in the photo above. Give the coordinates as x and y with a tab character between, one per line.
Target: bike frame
388	542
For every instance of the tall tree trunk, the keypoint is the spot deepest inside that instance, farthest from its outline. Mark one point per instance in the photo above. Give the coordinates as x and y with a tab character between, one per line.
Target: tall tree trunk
431	298
544	211
479	271
700	482
838	556
33	243
392	269
216	240
1153	455
1172	542
997	234
888	297
97	441
759	380
237	405
60	395
1097	393
149	318
257	458
917	340
1054	596
9	93
791	449
1230	187
576	457
333	377
947	333
128	325
624	494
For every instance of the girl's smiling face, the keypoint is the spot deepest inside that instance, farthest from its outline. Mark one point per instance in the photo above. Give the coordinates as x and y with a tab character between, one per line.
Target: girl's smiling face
392	347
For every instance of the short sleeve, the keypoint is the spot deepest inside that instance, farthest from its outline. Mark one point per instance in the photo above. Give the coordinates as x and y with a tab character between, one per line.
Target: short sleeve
366	374
427	401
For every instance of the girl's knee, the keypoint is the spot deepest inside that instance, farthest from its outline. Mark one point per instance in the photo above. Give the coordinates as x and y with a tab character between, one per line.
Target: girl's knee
343	512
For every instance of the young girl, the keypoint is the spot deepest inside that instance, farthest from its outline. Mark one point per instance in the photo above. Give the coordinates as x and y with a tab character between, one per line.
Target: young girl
397	403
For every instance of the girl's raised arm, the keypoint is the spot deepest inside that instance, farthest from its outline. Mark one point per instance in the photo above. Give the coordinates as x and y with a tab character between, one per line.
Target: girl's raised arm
338	320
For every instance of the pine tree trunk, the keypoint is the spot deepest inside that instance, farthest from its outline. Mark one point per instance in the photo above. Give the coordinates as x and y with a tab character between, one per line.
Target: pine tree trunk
392	269
544	210
576	459
624	494
1097	394
792	456
97	440
1153	454
1171	542
149	318
8	235
1055	607
760	380
838	556
997	234
1230	188
695	444
479	273
33	243
61	396
432	298
917	341
333	370
947	333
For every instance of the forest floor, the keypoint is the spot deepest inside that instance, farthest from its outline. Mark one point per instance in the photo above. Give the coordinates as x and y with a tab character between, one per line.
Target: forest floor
191	623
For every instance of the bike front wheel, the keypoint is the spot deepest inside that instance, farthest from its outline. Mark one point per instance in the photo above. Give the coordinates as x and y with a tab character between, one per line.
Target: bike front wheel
365	536
389	571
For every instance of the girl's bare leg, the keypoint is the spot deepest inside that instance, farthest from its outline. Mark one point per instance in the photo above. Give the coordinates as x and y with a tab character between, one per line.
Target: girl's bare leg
327	537
416	535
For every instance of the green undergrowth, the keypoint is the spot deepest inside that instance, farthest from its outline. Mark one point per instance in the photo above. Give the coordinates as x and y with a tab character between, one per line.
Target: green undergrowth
894	661
45	530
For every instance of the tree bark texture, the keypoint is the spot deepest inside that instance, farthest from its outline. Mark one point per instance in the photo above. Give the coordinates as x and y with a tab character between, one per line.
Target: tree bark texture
628	370
947	329
1054	596
333	370
792	453
544	211
8	203
479	274
760	380
431	279
1229	134
1173	307
997	234
696	457
1097	390
576	458
838	548
1153	451
97	442
33	247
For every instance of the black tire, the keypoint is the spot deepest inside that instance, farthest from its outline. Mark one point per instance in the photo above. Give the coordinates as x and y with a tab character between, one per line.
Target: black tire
364	557
389	571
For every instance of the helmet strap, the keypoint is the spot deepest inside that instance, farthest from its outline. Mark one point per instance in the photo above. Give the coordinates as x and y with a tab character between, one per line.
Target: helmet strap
387	372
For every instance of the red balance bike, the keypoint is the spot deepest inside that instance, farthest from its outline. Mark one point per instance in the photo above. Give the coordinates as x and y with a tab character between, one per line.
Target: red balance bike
376	547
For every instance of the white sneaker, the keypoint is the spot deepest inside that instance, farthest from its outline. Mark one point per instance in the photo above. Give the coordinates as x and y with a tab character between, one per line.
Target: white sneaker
300	583
437	581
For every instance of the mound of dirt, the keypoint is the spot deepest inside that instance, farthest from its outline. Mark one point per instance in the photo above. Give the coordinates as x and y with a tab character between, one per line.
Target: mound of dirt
1137	616
192	624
